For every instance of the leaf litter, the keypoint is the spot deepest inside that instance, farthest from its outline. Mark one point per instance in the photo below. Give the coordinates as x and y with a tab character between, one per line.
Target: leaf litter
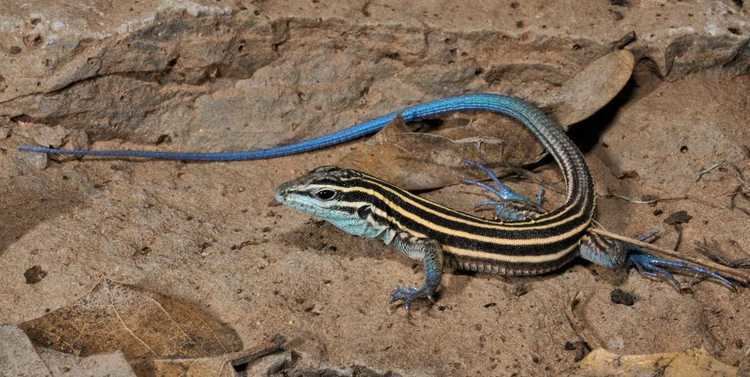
144	325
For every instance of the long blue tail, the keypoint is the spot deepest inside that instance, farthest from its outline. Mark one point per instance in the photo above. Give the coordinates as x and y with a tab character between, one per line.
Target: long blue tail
481	101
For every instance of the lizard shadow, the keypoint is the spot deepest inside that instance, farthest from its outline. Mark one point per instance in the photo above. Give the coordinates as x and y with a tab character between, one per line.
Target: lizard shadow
588	136
322	238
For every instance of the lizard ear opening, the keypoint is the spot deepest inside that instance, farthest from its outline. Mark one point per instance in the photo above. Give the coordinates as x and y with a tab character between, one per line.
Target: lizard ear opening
364	211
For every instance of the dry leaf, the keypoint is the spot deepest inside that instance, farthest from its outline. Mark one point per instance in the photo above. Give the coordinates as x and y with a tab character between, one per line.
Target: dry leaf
689	363
143	325
591	89
420	161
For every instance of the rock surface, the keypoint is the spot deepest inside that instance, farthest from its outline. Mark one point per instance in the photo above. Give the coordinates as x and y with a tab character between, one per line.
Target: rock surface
193	72
19	358
67	365
17	355
219	75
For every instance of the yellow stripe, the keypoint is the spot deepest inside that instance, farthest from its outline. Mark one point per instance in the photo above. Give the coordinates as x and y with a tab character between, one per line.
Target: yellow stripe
497	257
471	236
562	211
483	223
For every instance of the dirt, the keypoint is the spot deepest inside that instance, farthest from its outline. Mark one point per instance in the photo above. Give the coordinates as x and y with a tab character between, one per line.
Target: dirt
224	75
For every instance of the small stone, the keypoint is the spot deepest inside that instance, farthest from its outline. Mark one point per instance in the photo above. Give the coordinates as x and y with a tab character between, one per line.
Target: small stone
618	296
679	217
582	349
34	274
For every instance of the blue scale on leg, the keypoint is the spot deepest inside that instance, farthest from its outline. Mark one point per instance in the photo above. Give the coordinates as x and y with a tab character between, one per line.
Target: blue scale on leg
659	268
614	254
509	200
431	254
408	295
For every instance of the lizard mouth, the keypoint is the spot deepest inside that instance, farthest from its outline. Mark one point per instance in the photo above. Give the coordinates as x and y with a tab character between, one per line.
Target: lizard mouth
280	196
282	192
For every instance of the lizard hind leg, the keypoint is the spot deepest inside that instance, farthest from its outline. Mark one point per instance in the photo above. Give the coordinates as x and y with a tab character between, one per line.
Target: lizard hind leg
510	205
616	254
431	254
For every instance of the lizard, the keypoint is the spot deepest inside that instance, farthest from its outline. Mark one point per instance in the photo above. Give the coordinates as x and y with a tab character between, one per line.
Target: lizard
525	240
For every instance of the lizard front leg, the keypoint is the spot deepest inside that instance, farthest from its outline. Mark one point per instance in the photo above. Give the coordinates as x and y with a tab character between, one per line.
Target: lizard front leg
430	253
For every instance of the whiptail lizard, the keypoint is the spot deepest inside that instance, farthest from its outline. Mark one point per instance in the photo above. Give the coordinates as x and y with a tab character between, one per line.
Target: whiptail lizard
365	206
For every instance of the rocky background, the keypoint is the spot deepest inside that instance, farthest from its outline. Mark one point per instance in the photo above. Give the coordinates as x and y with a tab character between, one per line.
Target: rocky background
228	75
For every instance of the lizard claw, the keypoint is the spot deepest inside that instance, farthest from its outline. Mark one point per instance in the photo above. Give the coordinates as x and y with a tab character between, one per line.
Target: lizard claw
657	268
408	294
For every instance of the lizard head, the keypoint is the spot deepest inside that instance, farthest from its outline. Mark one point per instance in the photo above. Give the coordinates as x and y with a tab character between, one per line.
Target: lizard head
331	193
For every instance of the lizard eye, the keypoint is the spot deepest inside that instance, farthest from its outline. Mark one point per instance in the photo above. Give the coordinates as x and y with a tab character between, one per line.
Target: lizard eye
325	194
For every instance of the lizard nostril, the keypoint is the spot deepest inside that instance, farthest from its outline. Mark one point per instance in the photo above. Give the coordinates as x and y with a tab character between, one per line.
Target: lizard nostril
280	196
281	192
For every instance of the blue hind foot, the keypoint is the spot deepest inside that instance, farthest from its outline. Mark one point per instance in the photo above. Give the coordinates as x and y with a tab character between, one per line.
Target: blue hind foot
615	254
510	205
659	268
408	295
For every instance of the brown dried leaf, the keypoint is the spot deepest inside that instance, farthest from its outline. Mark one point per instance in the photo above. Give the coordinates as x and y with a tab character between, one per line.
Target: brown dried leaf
593	88
143	325
420	161
689	363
